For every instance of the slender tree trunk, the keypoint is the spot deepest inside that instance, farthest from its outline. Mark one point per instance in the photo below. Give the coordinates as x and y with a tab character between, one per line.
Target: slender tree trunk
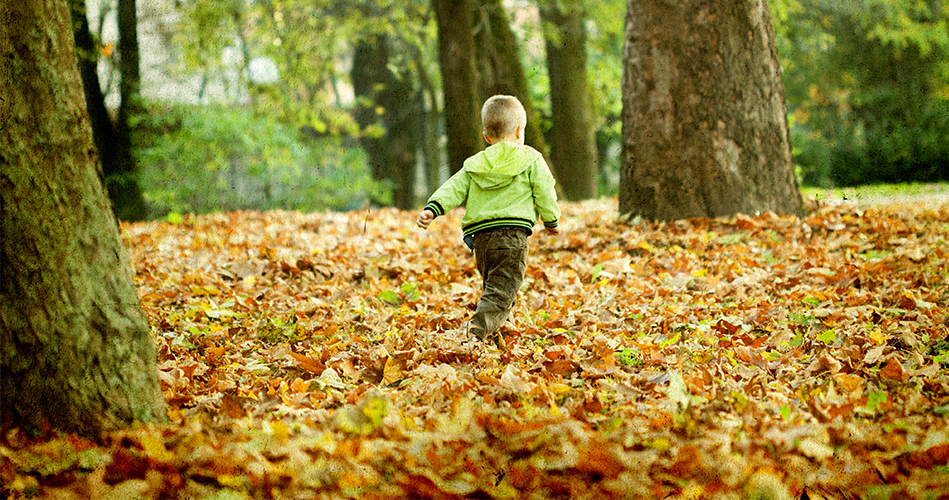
428	124
103	132
122	182
705	131
75	349
500	70
573	134
393	155
456	55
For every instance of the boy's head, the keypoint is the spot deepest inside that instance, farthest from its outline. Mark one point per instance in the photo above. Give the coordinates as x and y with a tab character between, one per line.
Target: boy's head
503	117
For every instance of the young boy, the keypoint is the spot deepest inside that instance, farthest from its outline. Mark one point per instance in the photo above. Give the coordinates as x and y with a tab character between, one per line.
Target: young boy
505	188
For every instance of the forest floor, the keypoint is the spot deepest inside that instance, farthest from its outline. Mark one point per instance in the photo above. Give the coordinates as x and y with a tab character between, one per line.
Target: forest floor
319	356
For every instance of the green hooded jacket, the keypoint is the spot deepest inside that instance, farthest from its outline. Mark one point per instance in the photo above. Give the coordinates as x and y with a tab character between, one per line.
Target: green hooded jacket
506	185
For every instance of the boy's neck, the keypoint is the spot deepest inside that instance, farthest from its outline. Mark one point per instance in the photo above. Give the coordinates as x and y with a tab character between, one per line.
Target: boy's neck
517	138
511	140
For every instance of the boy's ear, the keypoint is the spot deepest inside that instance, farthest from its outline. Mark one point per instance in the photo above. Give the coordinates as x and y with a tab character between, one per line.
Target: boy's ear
519	132
487	139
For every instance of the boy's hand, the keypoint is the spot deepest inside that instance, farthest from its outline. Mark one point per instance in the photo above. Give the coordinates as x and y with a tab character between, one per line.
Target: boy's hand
553	230
425	217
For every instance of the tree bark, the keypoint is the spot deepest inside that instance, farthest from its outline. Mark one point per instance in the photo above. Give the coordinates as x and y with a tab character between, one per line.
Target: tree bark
75	349
573	134
456	55
705	131
391	156
500	70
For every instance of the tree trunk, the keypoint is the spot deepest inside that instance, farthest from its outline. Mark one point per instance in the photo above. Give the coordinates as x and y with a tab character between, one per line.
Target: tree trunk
122	175
500	70
103	133
392	155
573	134
705	131
456	55
75	349
428	122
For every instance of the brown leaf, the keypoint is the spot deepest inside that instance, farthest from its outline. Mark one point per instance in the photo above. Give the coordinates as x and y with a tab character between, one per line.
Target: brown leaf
893	370
231	406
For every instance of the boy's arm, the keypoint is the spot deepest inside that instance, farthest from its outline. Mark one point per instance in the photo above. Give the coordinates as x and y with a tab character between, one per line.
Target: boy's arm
425	217
545	196
451	194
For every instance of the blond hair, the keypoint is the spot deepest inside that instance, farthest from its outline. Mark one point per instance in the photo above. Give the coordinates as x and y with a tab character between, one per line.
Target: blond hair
501	115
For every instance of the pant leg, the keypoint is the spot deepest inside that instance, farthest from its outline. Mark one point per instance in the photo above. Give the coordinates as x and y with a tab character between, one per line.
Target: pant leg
501	257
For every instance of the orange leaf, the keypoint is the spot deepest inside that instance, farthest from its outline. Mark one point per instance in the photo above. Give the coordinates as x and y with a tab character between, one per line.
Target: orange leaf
299	385
893	370
307	363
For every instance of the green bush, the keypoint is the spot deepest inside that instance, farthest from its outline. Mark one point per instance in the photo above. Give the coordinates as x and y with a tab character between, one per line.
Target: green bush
914	148
200	159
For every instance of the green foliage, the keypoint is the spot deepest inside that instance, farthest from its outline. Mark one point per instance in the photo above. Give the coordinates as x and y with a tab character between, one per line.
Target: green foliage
408	292
866	89
206	158
827	337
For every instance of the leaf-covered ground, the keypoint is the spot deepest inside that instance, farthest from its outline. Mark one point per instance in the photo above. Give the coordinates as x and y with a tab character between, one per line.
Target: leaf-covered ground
318	356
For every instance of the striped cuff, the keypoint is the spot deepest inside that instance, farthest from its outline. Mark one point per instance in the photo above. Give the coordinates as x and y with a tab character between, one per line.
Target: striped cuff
436	208
551	223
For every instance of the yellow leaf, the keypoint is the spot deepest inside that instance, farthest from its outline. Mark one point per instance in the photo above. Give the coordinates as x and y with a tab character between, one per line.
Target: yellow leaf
391	371
155	449
280	431
557	388
230	480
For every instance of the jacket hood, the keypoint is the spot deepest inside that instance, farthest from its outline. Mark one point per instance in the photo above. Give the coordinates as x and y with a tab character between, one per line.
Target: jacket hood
499	164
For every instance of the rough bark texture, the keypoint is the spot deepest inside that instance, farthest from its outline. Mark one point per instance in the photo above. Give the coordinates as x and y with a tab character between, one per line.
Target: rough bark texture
75	349
500	70
391	156
456	56
705	131
573	135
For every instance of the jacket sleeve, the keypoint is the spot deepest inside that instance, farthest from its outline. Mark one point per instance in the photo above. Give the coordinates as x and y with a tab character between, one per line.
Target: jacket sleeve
545	194
451	194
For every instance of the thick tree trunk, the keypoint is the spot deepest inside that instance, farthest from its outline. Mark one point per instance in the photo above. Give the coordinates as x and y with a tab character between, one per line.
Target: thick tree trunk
705	126
391	156
456	56
75	349
500	70
573	134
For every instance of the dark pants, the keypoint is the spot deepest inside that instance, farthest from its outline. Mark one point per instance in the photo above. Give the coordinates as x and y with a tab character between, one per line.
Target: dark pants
501	257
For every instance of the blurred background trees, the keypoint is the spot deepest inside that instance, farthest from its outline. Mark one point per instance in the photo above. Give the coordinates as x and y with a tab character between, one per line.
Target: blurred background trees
320	104
868	89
